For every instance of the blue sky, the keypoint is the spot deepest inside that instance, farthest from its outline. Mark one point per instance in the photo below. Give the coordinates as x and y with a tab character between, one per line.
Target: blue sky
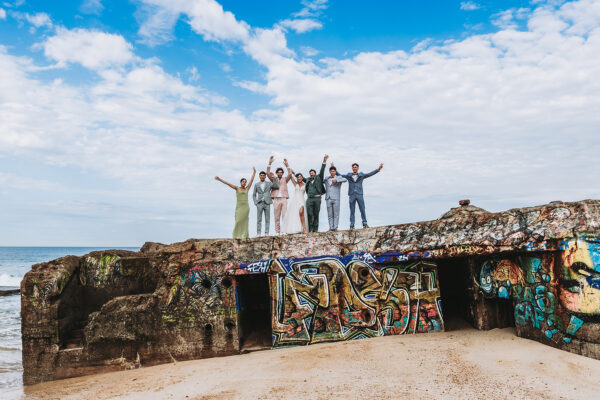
115	116
349	27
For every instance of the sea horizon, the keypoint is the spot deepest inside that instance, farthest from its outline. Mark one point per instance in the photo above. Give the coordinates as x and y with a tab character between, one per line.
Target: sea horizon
15	262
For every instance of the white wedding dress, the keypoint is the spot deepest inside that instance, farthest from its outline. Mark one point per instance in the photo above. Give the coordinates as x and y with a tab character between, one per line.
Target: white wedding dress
291	221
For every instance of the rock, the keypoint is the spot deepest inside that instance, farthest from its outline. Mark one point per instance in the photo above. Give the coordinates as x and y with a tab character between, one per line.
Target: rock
117	309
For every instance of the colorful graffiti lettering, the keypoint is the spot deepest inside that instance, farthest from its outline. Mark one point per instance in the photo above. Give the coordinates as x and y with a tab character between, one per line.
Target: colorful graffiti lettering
526	282
257	267
534	300
332	298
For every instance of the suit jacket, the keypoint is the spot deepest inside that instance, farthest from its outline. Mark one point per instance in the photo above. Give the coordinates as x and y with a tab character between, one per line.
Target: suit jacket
355	188
264	195
281	188
318	181
333	190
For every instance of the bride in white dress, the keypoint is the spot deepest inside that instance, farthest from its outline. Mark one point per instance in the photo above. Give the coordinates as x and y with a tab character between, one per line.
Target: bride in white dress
296	219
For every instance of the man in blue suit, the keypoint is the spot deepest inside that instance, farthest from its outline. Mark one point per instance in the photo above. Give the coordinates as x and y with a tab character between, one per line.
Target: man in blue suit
355	192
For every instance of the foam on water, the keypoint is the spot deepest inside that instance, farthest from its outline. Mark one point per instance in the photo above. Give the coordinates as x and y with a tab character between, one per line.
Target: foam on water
10	342
10	280
14	264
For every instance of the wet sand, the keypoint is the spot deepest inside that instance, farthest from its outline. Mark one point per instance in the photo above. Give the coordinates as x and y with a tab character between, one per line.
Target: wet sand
463	363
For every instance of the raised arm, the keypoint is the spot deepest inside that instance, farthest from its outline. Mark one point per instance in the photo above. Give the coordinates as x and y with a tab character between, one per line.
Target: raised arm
374	171
340	179
290	172
322	172
226	183
271	177
291	176
252	179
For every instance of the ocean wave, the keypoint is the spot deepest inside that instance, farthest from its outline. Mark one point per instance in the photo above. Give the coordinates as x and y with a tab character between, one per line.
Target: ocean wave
10	280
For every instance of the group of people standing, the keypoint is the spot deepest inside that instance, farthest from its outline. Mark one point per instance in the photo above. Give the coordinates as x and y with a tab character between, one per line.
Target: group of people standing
301	214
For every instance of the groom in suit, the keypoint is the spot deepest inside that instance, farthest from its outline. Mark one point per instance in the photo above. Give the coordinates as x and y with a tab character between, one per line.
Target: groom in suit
279	195
314	191
355	192
333	188
262	201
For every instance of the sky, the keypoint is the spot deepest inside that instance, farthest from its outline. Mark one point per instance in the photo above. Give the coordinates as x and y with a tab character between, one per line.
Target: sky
115	116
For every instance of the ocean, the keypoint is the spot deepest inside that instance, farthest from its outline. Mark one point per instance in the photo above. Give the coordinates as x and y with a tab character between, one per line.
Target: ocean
14	263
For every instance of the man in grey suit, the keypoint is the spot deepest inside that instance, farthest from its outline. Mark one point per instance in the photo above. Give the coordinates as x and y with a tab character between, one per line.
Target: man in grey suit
262	201
333	186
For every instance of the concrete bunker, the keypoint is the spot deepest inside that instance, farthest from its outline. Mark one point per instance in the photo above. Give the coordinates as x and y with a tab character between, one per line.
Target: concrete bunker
99	278
535	268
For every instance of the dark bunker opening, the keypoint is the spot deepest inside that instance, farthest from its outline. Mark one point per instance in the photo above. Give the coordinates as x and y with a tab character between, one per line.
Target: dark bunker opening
454	277
462	303
254	301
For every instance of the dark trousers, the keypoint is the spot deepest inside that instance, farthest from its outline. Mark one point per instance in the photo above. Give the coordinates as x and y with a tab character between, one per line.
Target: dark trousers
357	198
313	206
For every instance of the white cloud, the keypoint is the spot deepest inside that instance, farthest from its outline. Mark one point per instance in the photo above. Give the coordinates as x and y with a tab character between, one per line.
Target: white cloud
508	19
505	19
507	118
469	5
309	51
307	18
91	7
129	125
206	17
209	20
312	8
13	4
92	49
251	86
193	75
39	20
301	25
2	13
157	26
267	45
484	97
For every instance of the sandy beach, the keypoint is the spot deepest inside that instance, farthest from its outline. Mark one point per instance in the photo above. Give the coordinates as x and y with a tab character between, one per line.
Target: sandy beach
463	363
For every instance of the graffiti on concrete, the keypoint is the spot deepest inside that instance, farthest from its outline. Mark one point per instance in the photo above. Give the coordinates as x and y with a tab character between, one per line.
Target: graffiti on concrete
101	271
528	282
556	303
534	299
499	277
579	286
197	292
333	298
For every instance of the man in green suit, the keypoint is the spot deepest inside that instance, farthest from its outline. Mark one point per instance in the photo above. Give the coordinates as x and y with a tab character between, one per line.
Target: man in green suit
314	191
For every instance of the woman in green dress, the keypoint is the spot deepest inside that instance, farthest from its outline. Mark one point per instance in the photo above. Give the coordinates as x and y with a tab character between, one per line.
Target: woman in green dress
242	209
